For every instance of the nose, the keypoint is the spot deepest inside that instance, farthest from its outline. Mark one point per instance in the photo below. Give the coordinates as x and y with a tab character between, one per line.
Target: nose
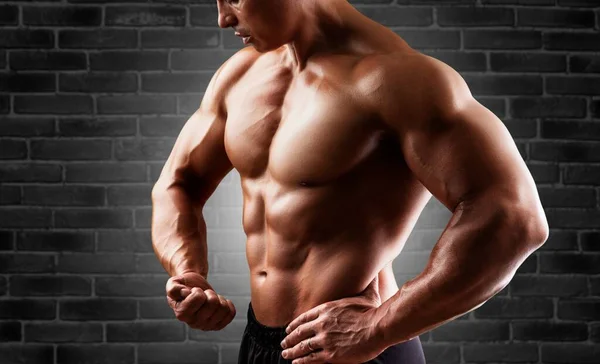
226	18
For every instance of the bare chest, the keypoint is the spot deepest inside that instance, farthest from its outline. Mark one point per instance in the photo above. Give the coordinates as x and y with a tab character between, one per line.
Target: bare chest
306	129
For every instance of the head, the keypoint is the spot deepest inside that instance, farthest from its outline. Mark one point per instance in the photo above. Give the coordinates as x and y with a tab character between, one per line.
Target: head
270	23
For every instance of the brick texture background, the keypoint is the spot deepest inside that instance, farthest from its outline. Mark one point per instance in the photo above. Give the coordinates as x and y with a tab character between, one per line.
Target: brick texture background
94	92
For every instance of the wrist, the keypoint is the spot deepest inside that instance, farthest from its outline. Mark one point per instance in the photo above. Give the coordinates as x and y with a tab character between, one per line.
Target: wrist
380	333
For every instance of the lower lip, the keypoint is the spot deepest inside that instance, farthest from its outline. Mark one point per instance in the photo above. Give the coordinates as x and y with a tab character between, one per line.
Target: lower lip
247	39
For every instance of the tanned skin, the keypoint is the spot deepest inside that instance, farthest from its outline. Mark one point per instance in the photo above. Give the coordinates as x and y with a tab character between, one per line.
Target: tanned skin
341	134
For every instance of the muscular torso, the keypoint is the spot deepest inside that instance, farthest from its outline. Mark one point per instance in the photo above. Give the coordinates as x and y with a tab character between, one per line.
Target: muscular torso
328	198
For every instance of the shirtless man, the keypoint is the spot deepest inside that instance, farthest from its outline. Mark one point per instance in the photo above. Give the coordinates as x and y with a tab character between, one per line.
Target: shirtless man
341	134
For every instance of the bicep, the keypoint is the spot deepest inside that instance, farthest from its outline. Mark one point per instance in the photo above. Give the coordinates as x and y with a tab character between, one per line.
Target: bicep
198	160
466	153
455	146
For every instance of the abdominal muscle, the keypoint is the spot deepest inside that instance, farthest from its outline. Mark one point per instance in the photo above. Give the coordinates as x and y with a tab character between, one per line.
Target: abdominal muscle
311	274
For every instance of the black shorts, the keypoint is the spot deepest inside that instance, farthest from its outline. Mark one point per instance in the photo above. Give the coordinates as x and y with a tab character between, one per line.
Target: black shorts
262	345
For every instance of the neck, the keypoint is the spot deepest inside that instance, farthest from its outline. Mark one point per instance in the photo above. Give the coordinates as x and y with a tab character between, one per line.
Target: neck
321	26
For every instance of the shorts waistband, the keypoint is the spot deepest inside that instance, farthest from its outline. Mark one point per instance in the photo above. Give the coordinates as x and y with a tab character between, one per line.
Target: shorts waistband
266	336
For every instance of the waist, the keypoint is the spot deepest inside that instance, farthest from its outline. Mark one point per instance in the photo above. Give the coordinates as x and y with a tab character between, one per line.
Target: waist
266	336
279	297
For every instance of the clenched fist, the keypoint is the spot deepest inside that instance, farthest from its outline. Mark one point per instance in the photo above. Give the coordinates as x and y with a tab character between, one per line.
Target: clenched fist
196	303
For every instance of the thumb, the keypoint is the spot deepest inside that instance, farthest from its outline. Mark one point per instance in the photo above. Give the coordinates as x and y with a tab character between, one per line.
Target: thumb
372	291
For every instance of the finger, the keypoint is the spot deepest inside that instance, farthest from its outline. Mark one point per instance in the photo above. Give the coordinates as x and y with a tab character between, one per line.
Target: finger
303	349
221	312
307	316
225	321
174	290
296	338
185	309
316	357
202	316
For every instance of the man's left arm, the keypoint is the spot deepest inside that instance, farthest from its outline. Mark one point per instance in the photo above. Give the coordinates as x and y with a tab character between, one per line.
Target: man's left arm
464	155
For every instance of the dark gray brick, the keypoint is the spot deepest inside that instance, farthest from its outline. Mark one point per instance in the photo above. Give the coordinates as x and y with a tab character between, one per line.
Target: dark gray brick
555	18
105	172
131	286
145	16
62	16
565	262
505	308
473	16
86	127
571	353
570	129
129	60
47	60
573	218
176	82
50	286
97	39
26	126
26	38
10	330
396	16
527	62
502	39
551	286
144	149
156	308
71	149
125	241
30	172
567	197
26	354
590	241
581	175
97	354
55	241
27	309
17	217
165	126
63	332
64	195
137	195
180	353
584	63
508	353
96	263
93	218
10	195
9	15
578	309
53	104
184	38
532	107
98	82
576	41
26	263
549	331
27	82
93	309
145	331
13	149
458	330
137	104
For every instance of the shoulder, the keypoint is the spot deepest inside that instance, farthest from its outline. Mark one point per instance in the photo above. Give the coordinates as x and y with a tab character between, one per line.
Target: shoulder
410	86
227	76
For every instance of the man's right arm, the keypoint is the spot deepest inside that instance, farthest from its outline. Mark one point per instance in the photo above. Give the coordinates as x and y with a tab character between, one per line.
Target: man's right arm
192	172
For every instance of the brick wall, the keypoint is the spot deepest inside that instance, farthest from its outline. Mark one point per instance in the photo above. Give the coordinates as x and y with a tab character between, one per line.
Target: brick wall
94	92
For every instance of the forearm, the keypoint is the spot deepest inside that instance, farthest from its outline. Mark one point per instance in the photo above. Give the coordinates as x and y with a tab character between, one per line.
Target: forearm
178	231
475	257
